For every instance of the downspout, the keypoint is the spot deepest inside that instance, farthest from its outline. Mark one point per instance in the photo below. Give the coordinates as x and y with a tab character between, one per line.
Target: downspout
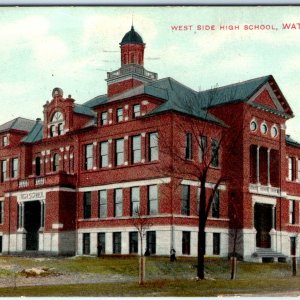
77	193
280	193
172	186
9	200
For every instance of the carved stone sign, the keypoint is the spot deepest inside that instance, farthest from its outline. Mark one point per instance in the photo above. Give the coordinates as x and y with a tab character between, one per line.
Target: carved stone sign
31	196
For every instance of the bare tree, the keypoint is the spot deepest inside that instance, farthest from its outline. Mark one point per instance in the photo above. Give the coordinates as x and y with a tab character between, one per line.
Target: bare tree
235	237
195	123
142	224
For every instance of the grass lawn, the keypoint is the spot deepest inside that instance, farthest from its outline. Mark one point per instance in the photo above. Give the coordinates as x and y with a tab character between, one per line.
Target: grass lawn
161	288
163	278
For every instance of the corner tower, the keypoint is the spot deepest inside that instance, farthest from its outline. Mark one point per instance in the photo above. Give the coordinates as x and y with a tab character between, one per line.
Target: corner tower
132	72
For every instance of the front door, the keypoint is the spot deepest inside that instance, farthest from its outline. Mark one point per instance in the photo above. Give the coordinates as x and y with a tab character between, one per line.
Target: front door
263	220
32	223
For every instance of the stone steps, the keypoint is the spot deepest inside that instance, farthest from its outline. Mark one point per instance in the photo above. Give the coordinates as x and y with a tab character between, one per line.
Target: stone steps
268	255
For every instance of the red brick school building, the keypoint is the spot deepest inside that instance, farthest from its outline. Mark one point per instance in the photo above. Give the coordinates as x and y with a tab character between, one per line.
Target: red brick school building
77	178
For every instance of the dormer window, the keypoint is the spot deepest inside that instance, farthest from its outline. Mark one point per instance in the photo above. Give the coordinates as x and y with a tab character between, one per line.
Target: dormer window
136	110
57	124
52	130
104	118
4	140
60	129
119	114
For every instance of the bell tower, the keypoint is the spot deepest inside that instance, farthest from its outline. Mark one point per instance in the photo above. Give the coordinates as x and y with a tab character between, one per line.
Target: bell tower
132	48
132	72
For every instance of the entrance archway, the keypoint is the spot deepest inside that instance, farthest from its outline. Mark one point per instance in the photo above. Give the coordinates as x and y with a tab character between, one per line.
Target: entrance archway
263	222
32	223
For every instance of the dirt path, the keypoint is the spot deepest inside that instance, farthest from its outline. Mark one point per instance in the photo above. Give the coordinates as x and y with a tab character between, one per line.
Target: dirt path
70	278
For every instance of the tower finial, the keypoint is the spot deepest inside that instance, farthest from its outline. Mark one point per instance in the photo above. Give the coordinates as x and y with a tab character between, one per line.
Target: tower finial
132	20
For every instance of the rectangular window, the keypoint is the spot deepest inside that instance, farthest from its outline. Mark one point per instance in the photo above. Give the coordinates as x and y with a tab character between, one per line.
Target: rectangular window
15	168
119	152
133	242
87	205
102	204
104	118
4	140
116	242
3	170
186	242
151	242
188	146
203	147
291	171
136	111
215	206
135	201
101	241
88	159
118	211
1	212
104	154
153	146
119	114
152	200
136	149
215	153
292	211
216	243
185	200
86	243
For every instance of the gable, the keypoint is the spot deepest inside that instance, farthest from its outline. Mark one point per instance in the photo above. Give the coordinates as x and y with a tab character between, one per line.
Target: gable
269	97
265	99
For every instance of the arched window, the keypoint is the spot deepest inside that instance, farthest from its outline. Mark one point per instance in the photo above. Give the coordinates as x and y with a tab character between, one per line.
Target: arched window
57	124
57	117
37	166
55	163
52	130
60	129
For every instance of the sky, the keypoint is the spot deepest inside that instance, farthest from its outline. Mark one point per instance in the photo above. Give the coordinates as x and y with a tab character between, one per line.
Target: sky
74	47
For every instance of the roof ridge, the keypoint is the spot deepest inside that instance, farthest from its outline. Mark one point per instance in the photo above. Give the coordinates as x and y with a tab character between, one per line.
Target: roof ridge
172	79
237	83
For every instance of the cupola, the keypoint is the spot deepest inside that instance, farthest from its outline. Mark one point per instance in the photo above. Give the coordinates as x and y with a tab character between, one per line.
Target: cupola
132	48
132	72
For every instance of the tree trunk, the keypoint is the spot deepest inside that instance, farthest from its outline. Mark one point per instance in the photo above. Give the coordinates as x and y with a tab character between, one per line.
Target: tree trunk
201	252
141	263
201	229
233	261
142	270
294	265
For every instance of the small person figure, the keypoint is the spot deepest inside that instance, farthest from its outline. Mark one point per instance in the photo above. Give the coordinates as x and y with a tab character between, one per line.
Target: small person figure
147	252
99	249
172	255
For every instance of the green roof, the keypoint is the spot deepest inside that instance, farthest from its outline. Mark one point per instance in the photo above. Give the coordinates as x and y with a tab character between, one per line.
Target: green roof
176	96
21	124
179	98
241	91
291	141
96	101
84	110
36	133
132	37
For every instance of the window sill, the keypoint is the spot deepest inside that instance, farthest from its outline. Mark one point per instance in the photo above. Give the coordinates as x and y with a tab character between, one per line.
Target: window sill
292	225
124	218
121	166
296	181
